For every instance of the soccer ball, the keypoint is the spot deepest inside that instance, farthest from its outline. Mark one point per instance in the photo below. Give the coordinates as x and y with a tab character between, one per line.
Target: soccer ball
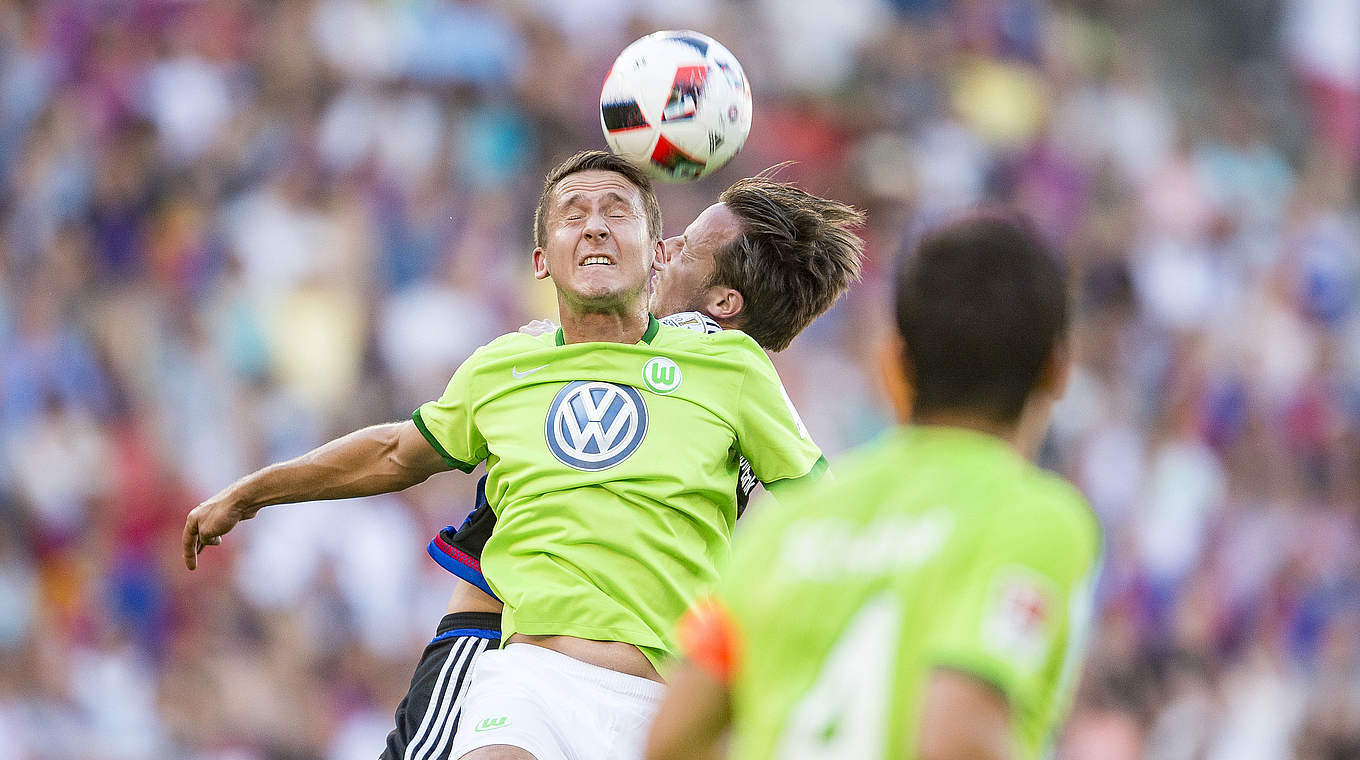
677	104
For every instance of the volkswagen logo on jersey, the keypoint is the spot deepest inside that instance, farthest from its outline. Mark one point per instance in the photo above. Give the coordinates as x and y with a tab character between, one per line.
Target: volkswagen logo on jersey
595	425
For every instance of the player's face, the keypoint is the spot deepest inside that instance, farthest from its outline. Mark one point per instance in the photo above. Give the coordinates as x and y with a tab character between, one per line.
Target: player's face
597	251
684	269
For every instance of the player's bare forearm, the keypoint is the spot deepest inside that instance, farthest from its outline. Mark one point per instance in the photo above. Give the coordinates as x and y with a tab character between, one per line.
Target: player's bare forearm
964	718
693	719
366	462
377	459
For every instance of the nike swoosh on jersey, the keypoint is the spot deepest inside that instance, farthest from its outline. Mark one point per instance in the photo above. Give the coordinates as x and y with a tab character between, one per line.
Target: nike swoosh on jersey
518	375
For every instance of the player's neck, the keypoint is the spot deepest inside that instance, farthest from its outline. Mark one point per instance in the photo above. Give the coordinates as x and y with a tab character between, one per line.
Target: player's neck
1026	434
969	421
726	324
626	326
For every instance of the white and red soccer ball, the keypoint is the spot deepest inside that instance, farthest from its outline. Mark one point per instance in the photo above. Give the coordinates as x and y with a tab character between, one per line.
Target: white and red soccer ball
677	104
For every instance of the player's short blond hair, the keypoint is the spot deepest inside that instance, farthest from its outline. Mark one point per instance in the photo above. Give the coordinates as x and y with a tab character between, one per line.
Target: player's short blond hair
597	160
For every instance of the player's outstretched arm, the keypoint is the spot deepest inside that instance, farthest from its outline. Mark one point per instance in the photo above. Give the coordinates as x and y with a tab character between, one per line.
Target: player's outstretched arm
693	718
963	718
377	459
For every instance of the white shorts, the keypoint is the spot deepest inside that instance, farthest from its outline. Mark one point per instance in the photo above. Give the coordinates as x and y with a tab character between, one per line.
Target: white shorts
555	707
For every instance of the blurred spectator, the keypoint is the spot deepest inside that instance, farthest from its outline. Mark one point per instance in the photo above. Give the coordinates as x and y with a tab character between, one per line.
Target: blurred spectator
231	230
1322	40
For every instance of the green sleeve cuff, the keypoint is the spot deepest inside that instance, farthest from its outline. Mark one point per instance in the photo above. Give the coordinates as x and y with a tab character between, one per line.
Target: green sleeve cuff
819	469
982	669
448	458
813	475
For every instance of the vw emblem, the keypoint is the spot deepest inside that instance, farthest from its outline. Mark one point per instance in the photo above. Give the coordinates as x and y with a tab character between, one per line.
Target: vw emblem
595	425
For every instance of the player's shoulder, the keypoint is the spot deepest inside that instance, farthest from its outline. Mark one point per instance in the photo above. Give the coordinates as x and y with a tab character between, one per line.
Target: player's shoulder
1053	493
1047	503
695	321
1003	486
860	482
511	344
733	343
737	341
494	356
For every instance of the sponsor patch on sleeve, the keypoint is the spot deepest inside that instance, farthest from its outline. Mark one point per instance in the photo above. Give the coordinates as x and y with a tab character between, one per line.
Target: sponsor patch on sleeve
1020	617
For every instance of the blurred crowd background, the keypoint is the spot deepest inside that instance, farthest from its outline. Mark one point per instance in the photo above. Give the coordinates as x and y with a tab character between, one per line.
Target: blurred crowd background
232	229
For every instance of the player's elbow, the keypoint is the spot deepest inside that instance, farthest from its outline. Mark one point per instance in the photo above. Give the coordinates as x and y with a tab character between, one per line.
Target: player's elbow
406	456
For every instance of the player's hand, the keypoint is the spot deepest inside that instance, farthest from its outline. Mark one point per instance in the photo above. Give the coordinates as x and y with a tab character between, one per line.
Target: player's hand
207	523
538	327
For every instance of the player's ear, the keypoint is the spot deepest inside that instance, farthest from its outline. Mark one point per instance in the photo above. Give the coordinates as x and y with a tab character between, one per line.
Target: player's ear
540	264
724	304
1034	419
894	362
659	256
1057	368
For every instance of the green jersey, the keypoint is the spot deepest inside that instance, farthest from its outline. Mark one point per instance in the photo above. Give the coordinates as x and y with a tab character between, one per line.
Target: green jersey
935	548
612	470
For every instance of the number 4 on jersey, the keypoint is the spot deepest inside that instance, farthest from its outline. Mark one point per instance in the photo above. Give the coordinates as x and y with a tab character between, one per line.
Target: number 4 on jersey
843	715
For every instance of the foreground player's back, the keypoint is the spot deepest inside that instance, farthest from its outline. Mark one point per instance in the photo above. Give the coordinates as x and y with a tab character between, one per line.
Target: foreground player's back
936	548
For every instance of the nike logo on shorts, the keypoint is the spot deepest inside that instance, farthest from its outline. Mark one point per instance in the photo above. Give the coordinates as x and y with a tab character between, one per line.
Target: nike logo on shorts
520	375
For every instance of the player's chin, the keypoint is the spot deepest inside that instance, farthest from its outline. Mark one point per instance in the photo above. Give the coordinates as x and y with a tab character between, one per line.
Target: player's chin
606	296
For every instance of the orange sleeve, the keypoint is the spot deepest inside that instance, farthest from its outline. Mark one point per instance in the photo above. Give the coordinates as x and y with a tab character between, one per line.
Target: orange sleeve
708	637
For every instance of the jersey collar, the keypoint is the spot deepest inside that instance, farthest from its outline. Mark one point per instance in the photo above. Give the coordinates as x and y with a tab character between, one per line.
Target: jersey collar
653	327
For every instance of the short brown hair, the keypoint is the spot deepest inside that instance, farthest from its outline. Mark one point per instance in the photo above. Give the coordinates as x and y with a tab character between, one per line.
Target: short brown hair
588	160
796	255
981	303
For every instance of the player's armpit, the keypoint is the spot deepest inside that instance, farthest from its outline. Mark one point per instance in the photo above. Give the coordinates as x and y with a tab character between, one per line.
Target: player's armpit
963	716
693	718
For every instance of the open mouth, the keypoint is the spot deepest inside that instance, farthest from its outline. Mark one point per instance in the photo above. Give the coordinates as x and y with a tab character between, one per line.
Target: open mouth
591	261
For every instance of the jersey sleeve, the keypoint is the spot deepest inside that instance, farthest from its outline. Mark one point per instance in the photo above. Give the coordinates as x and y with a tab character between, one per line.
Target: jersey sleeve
769	431
448	422
1022	606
